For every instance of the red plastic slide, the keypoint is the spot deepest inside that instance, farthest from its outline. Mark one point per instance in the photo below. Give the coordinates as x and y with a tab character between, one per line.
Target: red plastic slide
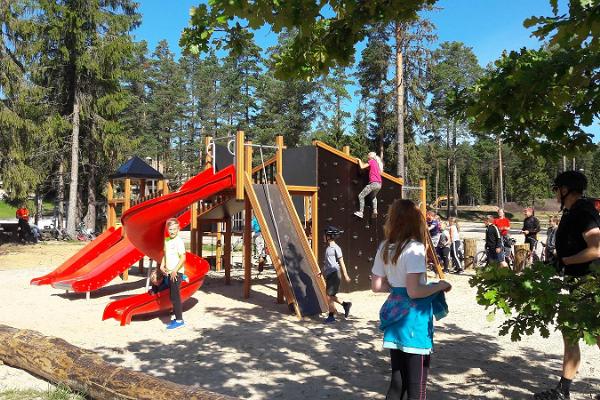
123	309
82	257
145	225
109	255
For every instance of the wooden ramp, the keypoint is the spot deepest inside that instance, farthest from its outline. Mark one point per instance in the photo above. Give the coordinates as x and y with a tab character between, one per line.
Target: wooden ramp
294	261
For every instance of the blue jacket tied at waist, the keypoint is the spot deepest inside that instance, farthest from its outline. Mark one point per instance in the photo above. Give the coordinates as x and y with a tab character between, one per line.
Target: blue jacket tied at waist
408	323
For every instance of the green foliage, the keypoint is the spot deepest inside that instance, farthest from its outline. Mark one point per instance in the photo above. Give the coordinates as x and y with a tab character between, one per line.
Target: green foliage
542	100
532	183
538	299
327	30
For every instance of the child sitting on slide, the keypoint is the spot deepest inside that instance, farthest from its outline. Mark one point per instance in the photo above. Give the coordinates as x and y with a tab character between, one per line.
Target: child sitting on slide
159	281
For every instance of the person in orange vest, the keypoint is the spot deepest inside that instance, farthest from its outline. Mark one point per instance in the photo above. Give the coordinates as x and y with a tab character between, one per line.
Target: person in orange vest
28	233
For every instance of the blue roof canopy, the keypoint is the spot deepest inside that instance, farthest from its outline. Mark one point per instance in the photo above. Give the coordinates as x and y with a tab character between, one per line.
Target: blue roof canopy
135	167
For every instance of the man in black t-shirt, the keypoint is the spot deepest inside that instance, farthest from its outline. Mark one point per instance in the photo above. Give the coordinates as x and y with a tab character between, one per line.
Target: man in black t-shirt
577	245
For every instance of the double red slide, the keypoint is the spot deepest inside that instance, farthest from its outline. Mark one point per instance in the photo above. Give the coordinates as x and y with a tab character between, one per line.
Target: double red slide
142	234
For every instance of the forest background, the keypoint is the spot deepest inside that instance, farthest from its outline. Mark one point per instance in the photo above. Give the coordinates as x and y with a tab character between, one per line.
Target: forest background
77	90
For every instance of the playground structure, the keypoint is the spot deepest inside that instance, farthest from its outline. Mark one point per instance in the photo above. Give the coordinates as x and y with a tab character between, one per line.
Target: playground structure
287	201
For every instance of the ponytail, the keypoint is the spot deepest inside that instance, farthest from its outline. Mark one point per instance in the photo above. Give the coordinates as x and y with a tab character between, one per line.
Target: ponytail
379	162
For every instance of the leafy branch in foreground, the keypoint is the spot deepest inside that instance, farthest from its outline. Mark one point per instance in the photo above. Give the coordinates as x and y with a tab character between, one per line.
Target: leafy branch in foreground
537	298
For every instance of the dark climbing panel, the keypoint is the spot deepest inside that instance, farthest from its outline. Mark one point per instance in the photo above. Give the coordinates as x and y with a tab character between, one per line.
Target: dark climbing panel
301	276
340	182
300	166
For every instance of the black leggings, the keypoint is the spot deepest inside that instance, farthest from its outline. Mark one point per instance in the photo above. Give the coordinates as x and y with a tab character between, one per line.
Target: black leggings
175	297
409	376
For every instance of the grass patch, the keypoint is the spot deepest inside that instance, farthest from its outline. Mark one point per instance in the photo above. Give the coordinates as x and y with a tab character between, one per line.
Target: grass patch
57	393
8	211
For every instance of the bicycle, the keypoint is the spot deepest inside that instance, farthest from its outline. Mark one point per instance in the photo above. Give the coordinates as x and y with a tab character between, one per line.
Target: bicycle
84	234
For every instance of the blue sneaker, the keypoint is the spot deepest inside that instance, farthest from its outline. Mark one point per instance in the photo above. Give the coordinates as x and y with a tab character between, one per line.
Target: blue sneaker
175	324
330	319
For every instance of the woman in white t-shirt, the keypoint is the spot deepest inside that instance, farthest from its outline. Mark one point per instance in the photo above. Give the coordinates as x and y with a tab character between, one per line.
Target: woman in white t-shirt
172	265
455	244
406	316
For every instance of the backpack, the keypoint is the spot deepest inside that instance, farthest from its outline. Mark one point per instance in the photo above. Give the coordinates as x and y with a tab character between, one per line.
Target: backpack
444	239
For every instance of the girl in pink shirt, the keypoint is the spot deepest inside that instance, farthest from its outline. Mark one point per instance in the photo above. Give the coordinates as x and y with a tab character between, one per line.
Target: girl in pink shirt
375	166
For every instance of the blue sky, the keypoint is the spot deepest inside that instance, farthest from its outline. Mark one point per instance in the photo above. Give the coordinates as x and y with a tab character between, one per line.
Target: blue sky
488	26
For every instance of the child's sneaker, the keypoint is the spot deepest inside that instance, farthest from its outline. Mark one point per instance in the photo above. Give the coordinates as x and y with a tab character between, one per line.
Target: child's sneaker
175	324
330	319
346	305
359	214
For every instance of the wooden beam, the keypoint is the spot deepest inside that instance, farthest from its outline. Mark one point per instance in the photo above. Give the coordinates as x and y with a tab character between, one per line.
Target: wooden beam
295	189
208	158
314	209
346	150
219	249
227	251
423	195
85	371
112	216
194	228
247	247
239	165
127	195
279	154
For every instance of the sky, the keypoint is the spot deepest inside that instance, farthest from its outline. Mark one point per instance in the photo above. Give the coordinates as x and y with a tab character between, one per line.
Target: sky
487	26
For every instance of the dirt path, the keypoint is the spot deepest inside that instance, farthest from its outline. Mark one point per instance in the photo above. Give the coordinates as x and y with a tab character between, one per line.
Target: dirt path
255	349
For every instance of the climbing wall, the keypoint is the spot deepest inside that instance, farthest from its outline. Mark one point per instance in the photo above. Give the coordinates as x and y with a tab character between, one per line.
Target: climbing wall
340	181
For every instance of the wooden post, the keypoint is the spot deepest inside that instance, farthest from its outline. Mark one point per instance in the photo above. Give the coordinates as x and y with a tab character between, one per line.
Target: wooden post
247	225
239	165
227	251
279	155
165	186
200	239
470	251
112	217
142	190
208	159
314	208
127	194
194	228
423	195
521	255
247	248
219	248
126	206
346	150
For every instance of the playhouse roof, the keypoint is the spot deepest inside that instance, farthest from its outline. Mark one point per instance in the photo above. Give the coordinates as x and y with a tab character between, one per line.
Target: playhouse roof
135	167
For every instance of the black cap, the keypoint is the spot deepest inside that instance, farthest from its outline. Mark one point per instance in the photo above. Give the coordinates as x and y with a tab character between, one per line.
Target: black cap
575	181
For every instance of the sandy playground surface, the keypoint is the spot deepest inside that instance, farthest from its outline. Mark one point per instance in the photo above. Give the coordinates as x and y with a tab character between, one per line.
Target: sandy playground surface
255	349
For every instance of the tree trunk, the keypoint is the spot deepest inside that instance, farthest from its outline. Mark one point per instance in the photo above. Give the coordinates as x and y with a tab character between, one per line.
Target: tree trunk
400	101
82	370
38	205
564	163
454	173
437	178
60	197
448	172
500	175
72	208
90	218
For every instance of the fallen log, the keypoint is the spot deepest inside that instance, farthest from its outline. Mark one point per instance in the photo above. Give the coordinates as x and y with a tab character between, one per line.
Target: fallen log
84	371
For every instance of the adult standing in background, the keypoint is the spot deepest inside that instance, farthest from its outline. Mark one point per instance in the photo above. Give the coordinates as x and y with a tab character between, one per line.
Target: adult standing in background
577	245
531	227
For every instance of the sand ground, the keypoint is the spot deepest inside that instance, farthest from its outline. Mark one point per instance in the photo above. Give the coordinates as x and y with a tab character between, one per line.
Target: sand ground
255	349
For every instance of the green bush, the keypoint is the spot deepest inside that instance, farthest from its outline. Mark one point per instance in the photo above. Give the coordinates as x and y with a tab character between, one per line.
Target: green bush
537	299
